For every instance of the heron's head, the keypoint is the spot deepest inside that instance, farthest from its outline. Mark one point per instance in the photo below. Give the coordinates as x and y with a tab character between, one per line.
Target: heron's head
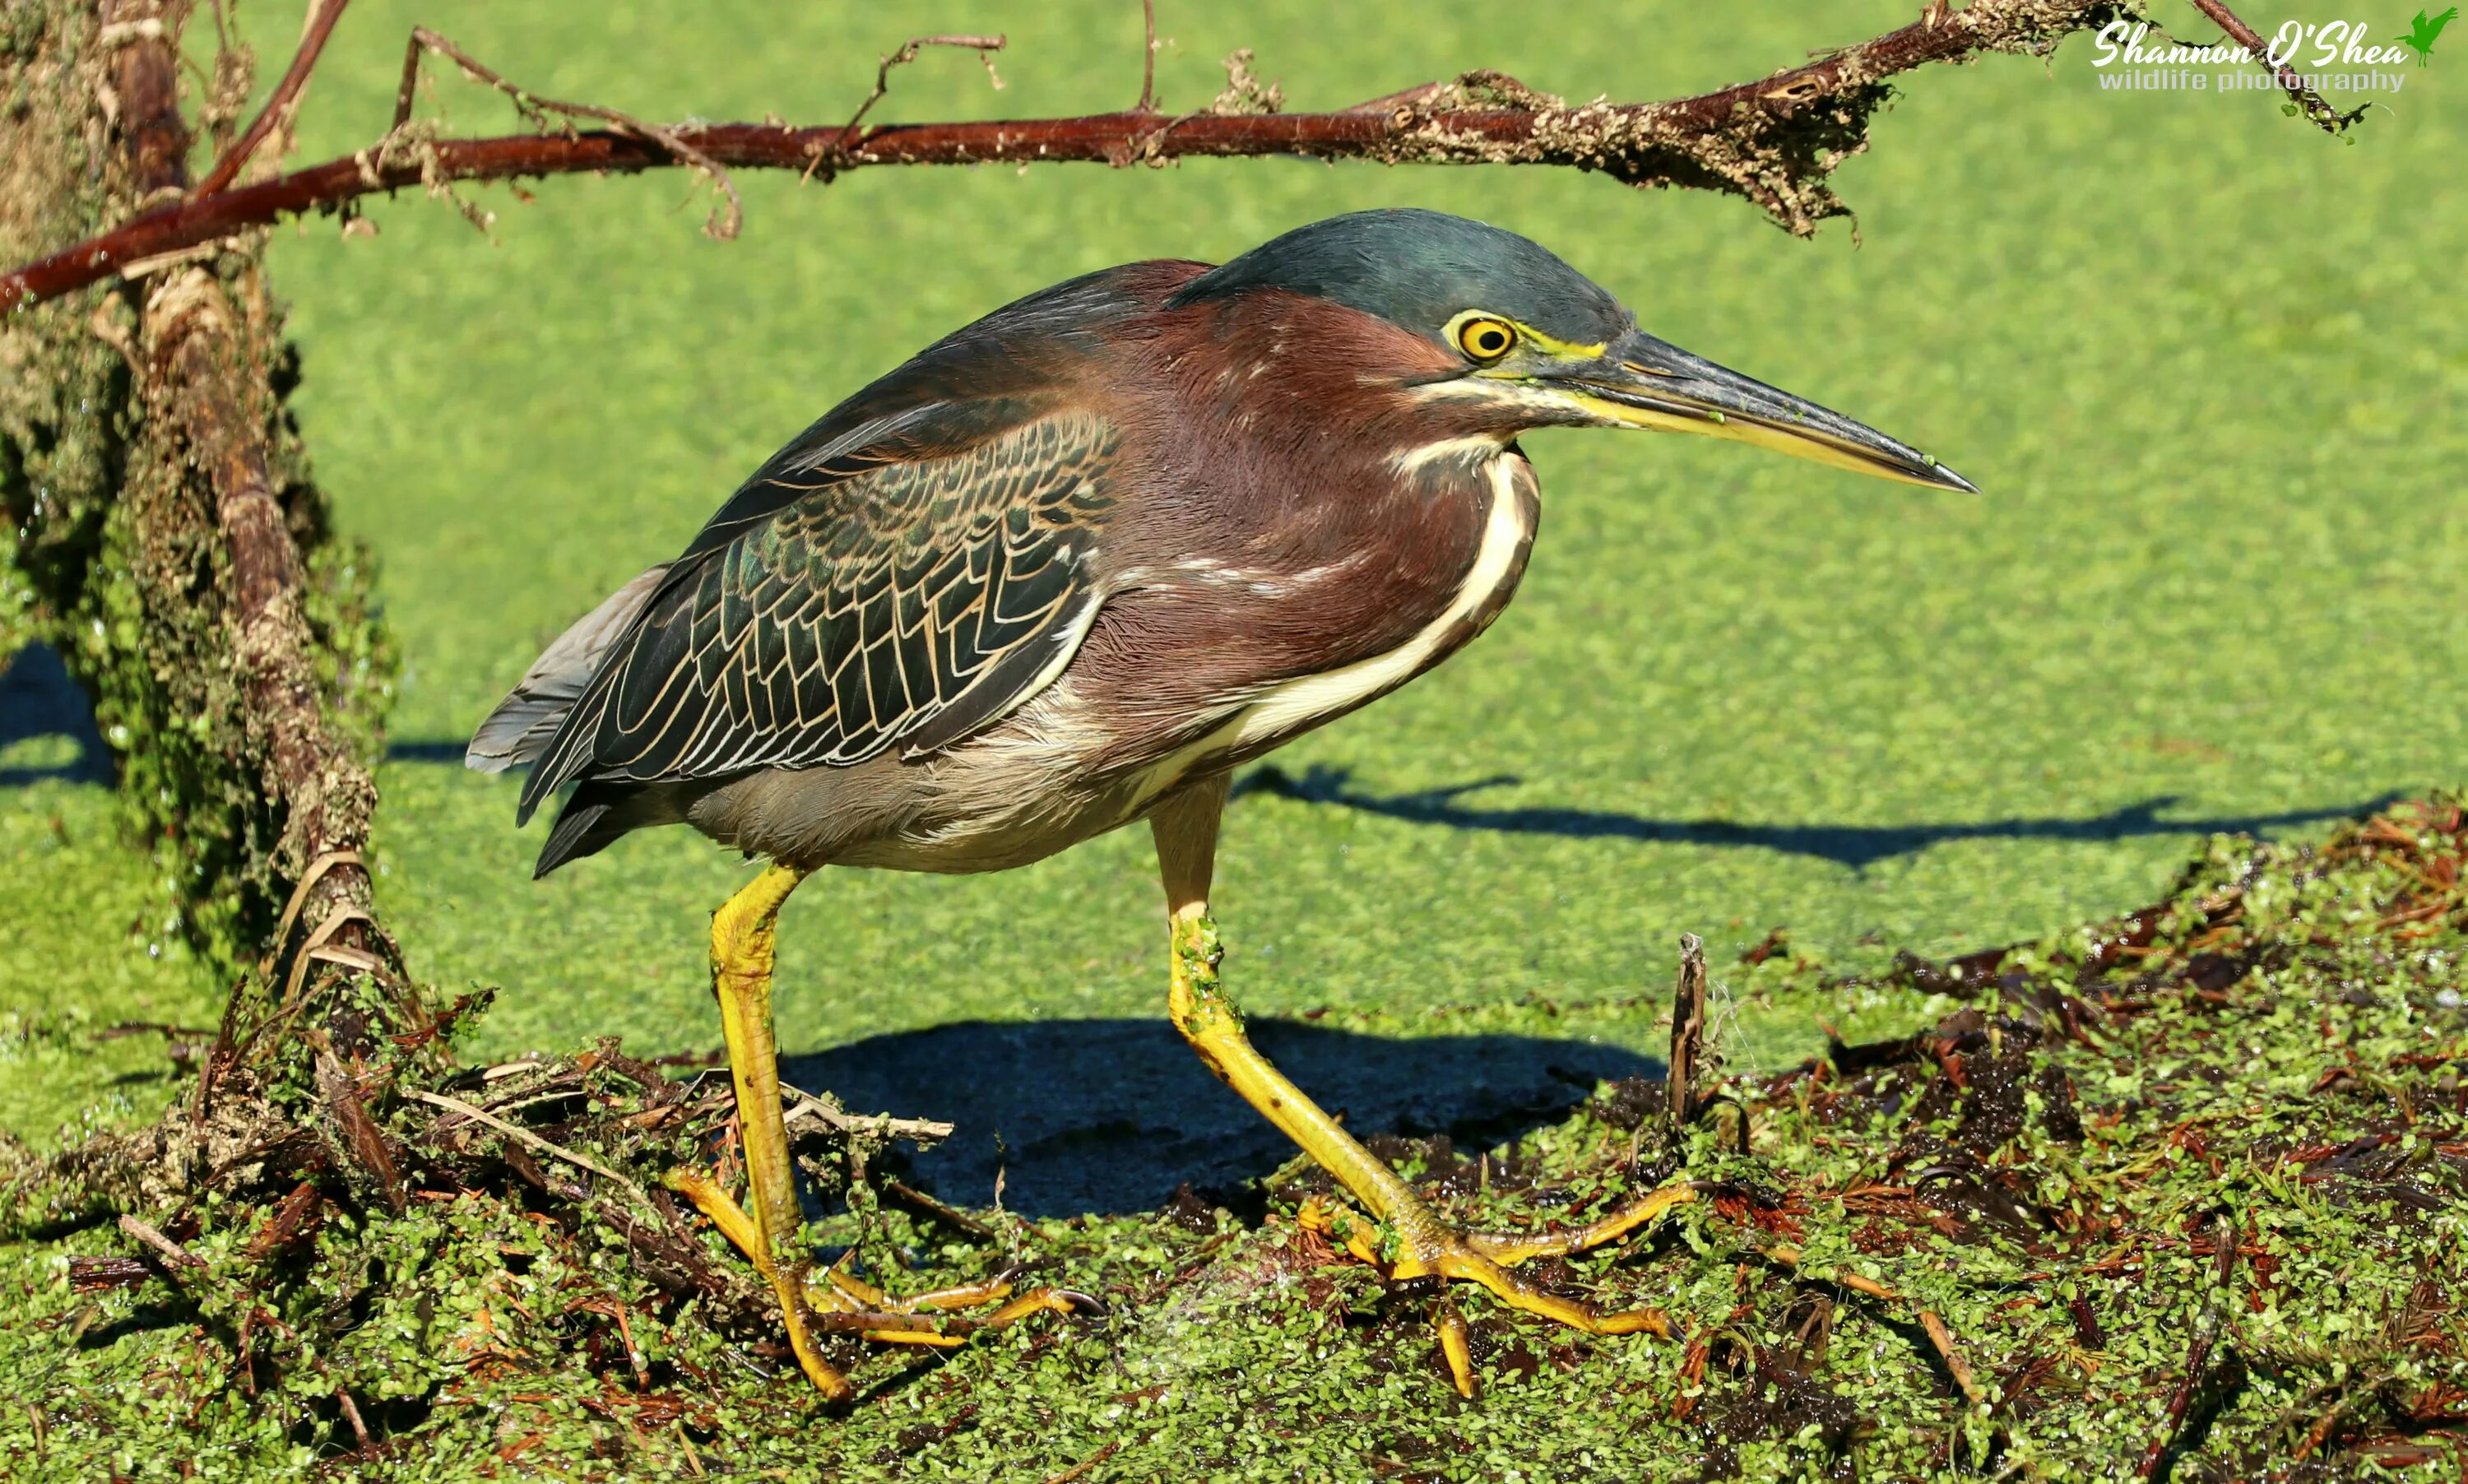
1526	341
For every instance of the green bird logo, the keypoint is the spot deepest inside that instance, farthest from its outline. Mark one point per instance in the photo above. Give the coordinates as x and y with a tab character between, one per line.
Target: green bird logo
2421	35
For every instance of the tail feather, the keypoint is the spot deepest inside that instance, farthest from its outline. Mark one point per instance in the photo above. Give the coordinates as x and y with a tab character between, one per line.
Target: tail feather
601	809
572	838
524	723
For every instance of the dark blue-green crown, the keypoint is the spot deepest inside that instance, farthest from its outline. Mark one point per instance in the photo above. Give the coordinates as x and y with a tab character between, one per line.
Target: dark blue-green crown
1419	269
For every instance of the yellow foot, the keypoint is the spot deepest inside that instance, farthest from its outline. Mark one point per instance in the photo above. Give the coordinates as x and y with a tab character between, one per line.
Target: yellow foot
847	1304
836	1302
1417	1245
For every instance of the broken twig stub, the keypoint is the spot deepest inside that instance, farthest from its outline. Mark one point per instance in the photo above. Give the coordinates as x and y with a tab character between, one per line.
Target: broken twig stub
1687	1040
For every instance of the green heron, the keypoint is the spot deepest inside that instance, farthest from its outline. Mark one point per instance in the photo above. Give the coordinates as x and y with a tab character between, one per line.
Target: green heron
1069	568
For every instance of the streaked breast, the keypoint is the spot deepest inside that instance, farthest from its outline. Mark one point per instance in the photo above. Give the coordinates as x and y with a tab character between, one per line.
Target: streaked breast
1280	712
1297	705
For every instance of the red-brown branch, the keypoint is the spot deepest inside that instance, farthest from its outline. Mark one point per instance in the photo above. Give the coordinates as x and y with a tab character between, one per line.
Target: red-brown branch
2315	106
278	108
1773	140
723	224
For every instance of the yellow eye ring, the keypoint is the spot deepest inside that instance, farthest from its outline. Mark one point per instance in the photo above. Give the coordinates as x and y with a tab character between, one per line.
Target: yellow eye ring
1485	339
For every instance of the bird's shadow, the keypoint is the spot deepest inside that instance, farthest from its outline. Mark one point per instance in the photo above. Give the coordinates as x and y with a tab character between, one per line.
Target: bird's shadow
440	750
1112	1115
1857	846
37	699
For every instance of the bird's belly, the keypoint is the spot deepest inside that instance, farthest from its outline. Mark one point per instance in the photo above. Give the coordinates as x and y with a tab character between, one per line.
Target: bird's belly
1009	797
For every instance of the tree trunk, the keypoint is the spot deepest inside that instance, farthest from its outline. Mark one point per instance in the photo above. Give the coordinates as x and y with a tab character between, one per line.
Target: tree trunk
166	537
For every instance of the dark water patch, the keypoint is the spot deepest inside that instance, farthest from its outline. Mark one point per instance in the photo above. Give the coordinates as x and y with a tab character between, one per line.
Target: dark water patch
38	698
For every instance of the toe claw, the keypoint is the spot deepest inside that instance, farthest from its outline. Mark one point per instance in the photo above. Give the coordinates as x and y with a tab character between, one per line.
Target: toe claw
1083	1303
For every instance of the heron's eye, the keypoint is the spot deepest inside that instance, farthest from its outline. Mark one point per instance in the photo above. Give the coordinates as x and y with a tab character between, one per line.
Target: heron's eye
1485	339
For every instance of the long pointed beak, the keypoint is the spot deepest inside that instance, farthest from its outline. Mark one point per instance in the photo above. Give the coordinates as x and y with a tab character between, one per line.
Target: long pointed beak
1643	383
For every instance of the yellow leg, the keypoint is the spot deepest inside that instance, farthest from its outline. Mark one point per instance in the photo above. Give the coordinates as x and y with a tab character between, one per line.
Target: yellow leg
742	933
1408	1241
764	1229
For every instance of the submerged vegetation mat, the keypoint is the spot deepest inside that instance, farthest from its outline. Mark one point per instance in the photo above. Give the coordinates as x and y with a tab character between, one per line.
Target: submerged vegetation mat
2176	1195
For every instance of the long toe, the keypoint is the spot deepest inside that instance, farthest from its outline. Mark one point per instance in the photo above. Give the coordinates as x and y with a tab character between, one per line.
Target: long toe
741	1233
1433	1249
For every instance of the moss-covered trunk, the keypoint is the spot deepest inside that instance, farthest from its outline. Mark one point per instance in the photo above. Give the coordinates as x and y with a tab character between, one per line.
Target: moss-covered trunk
166	537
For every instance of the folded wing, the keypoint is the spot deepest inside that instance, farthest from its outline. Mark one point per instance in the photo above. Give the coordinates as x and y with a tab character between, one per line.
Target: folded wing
905	591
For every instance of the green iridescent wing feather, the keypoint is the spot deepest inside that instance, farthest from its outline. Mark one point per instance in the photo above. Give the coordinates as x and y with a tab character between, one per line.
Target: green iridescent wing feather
881	602
903	574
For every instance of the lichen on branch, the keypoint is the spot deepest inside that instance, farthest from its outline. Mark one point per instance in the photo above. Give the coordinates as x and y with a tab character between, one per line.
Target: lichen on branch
1775	141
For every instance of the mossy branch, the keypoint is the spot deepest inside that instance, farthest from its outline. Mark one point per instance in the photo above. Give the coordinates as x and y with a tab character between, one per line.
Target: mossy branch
1773	140
185	563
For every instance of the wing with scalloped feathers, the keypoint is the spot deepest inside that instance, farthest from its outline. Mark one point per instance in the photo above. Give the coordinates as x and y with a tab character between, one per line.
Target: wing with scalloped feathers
905	572
887	603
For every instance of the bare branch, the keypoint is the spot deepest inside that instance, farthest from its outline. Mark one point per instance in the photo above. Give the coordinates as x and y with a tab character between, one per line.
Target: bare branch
984	46
1773	140
175	1255
723	224
278	108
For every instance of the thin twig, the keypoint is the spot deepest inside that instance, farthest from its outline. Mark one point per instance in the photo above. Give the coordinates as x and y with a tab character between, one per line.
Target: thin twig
1961	1369
351	1415
534	1142
882	1125
984	46
278	108
2206	1333
1148	59
723	224
1081	1468
2331	120
957	1220
407	92
171	1251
